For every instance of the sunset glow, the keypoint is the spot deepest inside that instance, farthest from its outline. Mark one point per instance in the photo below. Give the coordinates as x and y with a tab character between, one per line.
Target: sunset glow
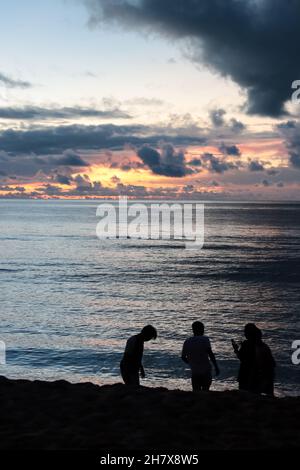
171	127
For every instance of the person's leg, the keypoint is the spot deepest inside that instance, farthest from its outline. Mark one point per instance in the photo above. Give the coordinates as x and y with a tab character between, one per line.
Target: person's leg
124	374
206	381
129	376
196	383
267	386
134	379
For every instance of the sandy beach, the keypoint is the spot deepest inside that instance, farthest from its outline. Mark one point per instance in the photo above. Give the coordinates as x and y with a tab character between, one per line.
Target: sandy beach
61	415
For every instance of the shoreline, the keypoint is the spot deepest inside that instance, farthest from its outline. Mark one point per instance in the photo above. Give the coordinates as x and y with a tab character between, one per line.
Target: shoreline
60	415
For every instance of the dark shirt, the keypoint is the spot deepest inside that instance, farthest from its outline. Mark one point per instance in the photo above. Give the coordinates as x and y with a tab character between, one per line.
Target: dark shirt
257	365
133	353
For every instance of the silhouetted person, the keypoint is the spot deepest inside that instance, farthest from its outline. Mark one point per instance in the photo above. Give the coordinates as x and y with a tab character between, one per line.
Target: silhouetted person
197	353
131	364
257	366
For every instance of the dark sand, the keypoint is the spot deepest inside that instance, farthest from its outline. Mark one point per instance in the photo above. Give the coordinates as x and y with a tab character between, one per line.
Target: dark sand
60	415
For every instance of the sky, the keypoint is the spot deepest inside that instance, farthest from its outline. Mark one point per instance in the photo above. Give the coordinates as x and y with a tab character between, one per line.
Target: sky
150	99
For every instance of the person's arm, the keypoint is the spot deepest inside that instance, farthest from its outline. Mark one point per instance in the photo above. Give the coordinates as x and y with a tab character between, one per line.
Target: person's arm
235	346
237	349
271	358
214	361
184	355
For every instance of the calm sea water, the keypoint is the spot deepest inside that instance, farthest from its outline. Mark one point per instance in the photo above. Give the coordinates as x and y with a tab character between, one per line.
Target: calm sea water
69	301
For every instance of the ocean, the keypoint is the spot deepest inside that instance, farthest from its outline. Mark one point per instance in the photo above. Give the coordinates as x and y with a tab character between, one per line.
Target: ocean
69	301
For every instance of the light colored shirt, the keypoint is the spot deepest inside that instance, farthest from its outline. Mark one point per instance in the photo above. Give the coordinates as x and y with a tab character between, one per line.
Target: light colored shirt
195	350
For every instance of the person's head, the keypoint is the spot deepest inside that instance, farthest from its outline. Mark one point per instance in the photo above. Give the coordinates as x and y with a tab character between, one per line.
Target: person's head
198	328
252	332
148	333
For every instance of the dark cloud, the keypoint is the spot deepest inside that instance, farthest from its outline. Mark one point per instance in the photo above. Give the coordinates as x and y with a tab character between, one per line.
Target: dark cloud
295	159
195	162
189	188
69	158
50	190
30	165
36	112
231	150
250	41
19	189
55	140
167	161
115	180
85	187
254	165
88	188
83	183
217	117
132	190
290	130
287	125
217	165
127	165
236	126
13	83
62	179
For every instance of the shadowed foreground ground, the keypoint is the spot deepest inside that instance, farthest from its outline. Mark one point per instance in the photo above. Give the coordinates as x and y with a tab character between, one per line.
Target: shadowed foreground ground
59	415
